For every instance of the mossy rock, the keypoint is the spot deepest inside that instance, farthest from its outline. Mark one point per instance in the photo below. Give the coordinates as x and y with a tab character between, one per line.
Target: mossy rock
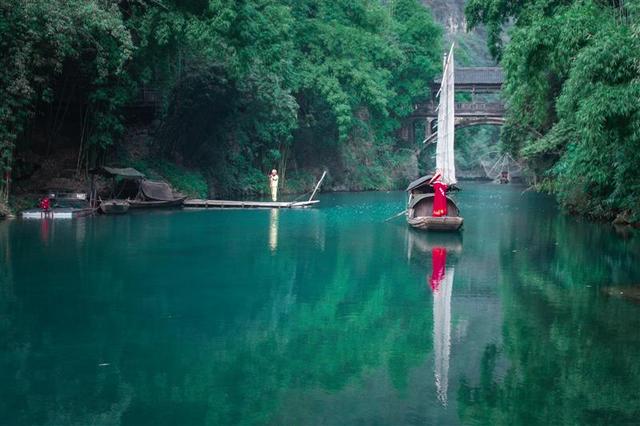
5	212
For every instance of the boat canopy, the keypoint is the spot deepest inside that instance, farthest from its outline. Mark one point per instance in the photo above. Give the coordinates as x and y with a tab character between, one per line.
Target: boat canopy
156	191
125	172
420	182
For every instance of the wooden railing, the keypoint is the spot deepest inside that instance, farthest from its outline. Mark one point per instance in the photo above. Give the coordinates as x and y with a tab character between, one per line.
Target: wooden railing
429	109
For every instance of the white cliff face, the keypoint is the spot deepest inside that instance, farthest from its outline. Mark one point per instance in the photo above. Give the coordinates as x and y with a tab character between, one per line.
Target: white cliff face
450	14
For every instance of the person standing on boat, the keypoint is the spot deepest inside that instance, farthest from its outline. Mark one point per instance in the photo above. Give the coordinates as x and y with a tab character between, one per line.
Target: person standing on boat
440	194
273	184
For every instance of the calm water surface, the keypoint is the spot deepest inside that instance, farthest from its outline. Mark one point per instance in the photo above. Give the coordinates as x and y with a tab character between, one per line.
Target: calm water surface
326	316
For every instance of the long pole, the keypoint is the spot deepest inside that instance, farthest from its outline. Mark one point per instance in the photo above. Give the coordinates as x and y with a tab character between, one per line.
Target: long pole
318	185
393	217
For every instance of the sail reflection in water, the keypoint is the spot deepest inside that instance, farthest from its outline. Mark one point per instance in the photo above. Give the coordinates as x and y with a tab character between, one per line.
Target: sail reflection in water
441	283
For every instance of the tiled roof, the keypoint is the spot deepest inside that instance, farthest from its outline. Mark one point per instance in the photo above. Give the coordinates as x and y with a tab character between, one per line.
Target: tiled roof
477	75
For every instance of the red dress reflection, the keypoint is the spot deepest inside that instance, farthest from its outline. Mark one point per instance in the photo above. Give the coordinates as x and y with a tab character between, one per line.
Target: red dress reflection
44	230
438	263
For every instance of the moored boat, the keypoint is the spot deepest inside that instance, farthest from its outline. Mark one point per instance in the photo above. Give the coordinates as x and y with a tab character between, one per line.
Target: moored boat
114	206
136	191
57	213
155	194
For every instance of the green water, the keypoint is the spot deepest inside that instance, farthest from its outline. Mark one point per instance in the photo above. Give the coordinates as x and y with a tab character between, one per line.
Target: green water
320	317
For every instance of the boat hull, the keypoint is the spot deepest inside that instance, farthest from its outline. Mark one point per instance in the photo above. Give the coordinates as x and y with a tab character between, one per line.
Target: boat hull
114	207
431	223
418	215
57	213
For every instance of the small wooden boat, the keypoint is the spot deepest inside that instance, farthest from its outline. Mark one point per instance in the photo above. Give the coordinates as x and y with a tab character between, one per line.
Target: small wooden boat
136	191
419	214
421	197
114	206
64	205
155	195
57	213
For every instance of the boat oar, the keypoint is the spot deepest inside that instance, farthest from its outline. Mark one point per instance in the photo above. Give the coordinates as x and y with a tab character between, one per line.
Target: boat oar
393	217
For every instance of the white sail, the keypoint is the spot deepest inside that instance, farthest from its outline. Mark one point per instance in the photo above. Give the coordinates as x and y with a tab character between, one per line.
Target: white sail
445	161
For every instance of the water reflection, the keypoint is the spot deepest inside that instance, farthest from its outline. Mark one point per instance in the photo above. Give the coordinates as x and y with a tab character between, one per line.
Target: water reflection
45	230
568	353
141	320
273	229
444	250
441	283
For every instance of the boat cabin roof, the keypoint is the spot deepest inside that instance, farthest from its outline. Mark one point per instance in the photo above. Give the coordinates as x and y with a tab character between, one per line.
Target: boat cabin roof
420	182
126	172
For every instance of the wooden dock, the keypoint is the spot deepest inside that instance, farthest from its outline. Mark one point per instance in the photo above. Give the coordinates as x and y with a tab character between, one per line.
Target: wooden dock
228	204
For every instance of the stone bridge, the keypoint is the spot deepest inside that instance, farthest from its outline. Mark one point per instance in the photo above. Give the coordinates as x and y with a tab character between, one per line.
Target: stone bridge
469	80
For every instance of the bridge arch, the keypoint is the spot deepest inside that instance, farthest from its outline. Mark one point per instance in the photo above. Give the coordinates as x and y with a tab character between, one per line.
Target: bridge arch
493	121
470	80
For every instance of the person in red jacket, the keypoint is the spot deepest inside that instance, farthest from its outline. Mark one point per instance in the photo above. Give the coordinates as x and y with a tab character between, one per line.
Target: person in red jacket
440	197
45	204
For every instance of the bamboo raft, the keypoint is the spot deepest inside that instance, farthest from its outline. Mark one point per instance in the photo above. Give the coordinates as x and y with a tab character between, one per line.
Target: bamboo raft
229	204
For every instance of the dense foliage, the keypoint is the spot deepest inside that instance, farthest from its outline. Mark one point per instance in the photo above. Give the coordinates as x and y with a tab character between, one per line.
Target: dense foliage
39	40
572	87
245	85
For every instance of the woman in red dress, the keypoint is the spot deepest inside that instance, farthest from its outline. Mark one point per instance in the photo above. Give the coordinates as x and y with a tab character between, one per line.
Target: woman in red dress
440	197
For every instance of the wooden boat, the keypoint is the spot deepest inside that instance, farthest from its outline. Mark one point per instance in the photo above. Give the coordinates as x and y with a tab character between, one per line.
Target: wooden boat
114	206
57	213
153	204
64	205
155	195
419	214
421	197
136	191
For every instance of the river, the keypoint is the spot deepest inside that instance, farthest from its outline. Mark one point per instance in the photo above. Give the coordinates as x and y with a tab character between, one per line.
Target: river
325	316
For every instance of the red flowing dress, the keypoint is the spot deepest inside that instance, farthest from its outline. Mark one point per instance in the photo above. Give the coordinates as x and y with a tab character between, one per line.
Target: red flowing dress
438	262
439	199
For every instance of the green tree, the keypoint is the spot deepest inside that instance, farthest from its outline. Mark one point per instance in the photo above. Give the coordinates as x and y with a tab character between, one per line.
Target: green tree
38	39
571	87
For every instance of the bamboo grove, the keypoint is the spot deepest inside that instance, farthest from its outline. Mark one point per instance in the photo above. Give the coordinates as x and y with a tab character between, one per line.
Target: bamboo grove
245	85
